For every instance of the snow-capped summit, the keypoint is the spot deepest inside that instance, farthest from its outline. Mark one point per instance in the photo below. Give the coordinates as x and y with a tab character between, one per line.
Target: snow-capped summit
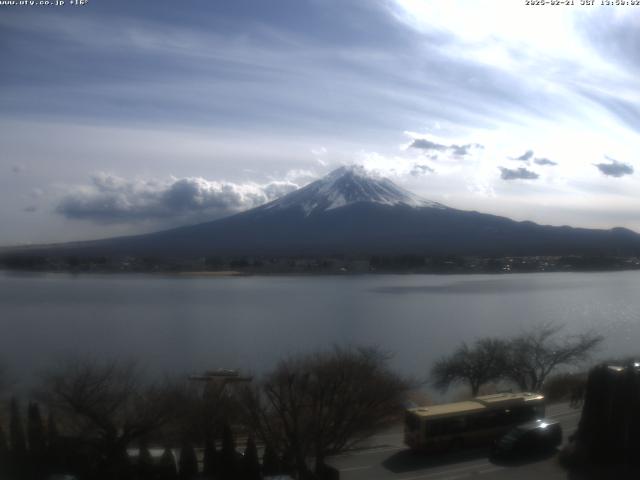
345	186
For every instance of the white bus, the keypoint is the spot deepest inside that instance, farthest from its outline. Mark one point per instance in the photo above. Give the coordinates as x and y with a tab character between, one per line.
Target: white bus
470	423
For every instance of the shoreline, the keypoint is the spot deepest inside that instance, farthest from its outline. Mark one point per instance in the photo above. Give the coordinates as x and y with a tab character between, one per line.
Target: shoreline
203	273
294	273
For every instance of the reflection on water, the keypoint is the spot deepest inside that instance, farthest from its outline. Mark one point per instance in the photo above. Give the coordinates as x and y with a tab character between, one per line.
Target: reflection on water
503	285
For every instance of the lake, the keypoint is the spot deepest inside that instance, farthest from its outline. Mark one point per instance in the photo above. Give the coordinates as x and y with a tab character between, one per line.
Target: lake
188	324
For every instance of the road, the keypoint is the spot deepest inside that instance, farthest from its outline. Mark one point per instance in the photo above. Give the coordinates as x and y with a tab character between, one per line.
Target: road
385	457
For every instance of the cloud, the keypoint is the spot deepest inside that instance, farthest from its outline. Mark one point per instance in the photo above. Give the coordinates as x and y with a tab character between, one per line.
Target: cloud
112	199
517	174
525	157
424	144
458	150
36	193
614	168
419	169
545	161
31	209
17	168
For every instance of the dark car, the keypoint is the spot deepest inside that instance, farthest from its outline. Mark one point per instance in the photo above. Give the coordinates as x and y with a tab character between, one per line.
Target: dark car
529	439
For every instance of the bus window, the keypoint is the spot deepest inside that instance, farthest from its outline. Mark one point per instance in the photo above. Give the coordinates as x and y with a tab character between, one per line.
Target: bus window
478	421
489	419
458	424
411	421
446	426
433	428
524	413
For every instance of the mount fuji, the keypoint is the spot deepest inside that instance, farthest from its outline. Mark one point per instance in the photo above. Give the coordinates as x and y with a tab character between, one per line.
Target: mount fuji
352	212
346	186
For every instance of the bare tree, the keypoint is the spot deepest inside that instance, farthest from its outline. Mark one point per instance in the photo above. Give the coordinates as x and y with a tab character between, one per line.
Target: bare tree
475	365
107	405
536	353
322	404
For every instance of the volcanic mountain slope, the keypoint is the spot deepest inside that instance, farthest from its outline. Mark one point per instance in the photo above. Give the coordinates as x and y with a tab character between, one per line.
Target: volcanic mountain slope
352	212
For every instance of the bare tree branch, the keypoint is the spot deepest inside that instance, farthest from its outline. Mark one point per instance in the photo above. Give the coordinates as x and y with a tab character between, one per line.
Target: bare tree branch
474	366
321	404
107	404
533	355
526	360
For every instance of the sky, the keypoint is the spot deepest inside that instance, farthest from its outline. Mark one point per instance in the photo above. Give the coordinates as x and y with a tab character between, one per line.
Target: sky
120	117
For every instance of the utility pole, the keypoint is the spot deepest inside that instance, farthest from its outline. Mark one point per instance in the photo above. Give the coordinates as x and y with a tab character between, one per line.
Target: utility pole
223	374
215	385
220	378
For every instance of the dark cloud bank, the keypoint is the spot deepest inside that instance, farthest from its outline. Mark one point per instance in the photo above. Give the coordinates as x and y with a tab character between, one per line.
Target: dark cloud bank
614	168
528	155
545	161
111	199
525	157
428	145
517	174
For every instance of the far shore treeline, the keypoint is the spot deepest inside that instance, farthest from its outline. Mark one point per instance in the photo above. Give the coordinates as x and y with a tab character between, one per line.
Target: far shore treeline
332	264
105	419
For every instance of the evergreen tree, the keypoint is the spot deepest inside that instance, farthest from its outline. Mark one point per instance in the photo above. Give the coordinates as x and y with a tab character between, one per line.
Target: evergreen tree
145	466
228	467
36	437
287	463
210	462
250	463
270	461
55	456
4	454
167	466
120	466
4	446
18	441
188	462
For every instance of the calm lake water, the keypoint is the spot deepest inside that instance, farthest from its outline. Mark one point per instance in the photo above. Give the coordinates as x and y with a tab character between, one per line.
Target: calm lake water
183	324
